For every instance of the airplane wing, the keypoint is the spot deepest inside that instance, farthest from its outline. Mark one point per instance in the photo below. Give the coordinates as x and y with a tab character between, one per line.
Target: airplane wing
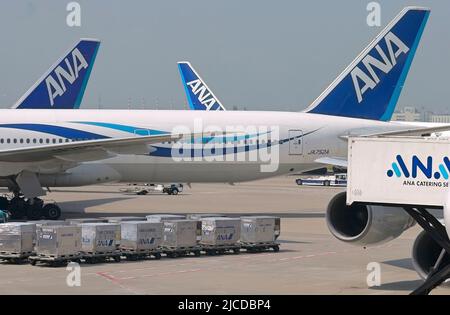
25	163
416	131
411	132
336	161
83	151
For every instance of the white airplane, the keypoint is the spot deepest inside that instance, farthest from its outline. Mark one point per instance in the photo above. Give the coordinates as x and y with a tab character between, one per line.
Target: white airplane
47	148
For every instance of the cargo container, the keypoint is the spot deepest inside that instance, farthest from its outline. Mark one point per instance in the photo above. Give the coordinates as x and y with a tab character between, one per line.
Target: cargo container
164	217
17	238
220	231
122	219
141	235
181	233
58	241
86	220
259	229
99	237
40	223
199	216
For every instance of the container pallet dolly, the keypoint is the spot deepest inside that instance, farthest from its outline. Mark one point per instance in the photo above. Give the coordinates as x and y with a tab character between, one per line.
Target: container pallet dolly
260	247
140	254
212	250
100	257
14	257
54	261
174	252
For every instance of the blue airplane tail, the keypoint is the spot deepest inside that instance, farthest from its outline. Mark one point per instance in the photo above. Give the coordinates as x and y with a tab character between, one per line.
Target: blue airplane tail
198	94
370	87
63	85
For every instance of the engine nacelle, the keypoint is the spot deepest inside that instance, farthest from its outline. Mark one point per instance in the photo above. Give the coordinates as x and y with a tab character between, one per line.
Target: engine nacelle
425	254
85	174
365	225
426	251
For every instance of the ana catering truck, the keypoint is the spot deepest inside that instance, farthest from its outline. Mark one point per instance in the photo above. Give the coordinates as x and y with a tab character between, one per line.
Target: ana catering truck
406	171
391	181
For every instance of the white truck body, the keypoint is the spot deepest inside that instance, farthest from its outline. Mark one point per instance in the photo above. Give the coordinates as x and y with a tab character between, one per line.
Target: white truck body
398	170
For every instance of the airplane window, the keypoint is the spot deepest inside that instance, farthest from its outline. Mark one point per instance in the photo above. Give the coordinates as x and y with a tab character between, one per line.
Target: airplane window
60	140
8	141
28	140
41	141
21	140
34	140
15	140
47	140
54	140
1	140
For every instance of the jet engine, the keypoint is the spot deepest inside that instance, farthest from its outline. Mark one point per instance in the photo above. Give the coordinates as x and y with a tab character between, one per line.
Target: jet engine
365	225
85	174
426	251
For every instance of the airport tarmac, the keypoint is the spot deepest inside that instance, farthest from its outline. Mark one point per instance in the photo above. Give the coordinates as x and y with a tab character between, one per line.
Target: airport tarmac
310	261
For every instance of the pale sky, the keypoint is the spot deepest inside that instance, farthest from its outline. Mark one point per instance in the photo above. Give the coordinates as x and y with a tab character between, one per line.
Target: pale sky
257	54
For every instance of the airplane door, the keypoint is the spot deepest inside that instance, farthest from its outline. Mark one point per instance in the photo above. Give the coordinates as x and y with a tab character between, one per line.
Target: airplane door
295	142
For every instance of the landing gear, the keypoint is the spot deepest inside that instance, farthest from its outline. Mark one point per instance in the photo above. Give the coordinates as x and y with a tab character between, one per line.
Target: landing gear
31	209
52	211
434	228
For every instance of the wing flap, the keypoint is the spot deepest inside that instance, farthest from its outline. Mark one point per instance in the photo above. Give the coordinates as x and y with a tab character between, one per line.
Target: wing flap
80	151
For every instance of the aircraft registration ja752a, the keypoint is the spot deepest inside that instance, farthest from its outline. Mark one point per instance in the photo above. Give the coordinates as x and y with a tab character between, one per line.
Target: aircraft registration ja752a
54	148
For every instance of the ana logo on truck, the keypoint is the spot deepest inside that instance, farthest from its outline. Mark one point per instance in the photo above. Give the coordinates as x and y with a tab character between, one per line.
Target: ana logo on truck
418	168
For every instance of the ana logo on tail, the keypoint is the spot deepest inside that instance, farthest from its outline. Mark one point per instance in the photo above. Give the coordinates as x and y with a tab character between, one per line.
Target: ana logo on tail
55	82
370	79
204	96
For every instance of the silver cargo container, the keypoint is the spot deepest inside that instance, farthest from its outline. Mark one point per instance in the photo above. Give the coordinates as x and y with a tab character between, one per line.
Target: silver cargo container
40	223
123	219
86	220
220	231
17	237
181	233
199	216
259	229
57	241
99	237
164	217
141	235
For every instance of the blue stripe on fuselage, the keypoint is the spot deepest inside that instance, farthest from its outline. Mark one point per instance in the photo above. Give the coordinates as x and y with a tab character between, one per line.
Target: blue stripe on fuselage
59	131
131	129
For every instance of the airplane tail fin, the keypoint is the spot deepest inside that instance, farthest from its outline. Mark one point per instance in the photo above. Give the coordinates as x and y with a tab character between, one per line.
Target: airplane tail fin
371	85
198	94
63	85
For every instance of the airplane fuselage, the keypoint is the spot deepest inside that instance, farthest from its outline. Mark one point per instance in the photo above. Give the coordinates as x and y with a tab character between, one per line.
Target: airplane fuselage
264	144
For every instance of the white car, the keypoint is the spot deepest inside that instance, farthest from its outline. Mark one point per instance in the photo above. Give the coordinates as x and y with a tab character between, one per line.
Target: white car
334	180
172	189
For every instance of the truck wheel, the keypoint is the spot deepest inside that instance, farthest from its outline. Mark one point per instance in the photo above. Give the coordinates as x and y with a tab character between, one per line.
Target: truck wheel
175	191
299	182
157	256
52	211
326	183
